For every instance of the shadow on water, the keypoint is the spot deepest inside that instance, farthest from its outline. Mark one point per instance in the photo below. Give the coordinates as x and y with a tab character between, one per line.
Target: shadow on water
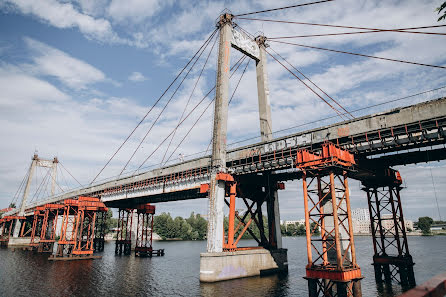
24	273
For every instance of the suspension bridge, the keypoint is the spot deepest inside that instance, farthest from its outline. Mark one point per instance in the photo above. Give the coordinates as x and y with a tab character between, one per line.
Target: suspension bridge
323	159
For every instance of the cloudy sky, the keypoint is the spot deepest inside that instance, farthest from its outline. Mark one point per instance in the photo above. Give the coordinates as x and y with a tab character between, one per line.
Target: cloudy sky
77	76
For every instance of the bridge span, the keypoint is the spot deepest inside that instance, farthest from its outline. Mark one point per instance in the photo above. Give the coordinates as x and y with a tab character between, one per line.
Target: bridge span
394	137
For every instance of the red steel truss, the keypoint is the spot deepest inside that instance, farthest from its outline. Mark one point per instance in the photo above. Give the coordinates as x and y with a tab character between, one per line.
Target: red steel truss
88	208
251	216
124	235
144	232
36	230
67	234
7	225
332	269
49	227
391	251
78	228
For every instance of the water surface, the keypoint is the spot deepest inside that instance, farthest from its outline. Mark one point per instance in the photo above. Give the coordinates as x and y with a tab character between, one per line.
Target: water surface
23	273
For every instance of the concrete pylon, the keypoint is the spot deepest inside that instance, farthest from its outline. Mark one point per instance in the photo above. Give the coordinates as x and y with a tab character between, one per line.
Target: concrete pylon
266	134
36	161
217	188
25	194
54	176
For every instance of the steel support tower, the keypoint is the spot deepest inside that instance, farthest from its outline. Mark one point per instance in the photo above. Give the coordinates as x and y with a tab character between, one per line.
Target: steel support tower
332	269
391	260
124	236
49	227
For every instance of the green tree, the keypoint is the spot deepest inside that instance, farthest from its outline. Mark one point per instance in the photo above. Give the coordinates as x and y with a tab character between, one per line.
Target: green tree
110	221
12	205
198	224
163	225
315	229
425	223
440	9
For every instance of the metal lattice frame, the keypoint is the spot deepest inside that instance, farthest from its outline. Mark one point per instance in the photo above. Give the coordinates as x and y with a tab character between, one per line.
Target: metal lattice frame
124	235
144	230
39	214
49	227
253	214
67	235
327	208
99	232
391	250
84	234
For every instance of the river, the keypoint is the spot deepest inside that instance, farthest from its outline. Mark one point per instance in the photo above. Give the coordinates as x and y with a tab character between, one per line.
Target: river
23	273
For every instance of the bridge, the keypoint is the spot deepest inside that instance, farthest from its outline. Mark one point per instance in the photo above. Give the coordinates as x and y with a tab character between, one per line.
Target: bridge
324	159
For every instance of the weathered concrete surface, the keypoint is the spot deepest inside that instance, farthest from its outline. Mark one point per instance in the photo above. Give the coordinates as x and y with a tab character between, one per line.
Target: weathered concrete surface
216	267
20	241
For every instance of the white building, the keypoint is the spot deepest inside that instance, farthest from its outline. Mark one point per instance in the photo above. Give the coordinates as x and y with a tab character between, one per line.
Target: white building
361	214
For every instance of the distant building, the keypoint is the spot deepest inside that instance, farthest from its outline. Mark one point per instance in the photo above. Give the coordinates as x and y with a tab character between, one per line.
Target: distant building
361	214
361	227
388	223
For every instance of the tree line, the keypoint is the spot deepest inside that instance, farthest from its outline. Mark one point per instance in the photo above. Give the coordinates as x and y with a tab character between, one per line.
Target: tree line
195	228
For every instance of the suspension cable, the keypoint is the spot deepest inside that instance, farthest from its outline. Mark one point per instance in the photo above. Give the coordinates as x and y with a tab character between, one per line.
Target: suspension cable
361	55
70	173
22	183
190	97
337	111
358	32
165	106
280	8
340	26
337	103
210	103
39	188
179	124
156	102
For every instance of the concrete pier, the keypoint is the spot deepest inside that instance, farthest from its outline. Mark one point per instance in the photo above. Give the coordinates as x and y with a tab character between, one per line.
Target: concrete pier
216	267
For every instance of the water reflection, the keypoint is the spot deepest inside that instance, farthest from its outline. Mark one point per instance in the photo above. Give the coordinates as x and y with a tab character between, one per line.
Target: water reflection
24	273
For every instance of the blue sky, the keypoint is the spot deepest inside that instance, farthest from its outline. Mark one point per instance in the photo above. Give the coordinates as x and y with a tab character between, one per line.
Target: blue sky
76	77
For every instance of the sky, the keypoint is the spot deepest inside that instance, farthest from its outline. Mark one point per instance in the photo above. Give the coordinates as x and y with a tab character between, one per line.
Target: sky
77	76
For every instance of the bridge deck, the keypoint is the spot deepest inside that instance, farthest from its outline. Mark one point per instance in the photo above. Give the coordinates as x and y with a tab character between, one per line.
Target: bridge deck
400	129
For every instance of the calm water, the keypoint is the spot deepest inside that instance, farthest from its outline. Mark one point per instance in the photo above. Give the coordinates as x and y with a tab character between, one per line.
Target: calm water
23	273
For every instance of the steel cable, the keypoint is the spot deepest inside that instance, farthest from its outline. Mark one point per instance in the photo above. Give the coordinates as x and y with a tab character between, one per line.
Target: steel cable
356	54
156	102
190	97
281	8
337	103
164	108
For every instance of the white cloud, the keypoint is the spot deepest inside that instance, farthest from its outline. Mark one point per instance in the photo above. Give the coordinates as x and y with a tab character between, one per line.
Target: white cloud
137	77
135	10
64	15
72	72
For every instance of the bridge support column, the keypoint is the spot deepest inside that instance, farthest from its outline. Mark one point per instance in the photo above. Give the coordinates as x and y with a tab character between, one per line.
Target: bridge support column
68	229
36	230
124	236
391	251
82	237
237	262
99	232
217	187
144	231
49	227
333	270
